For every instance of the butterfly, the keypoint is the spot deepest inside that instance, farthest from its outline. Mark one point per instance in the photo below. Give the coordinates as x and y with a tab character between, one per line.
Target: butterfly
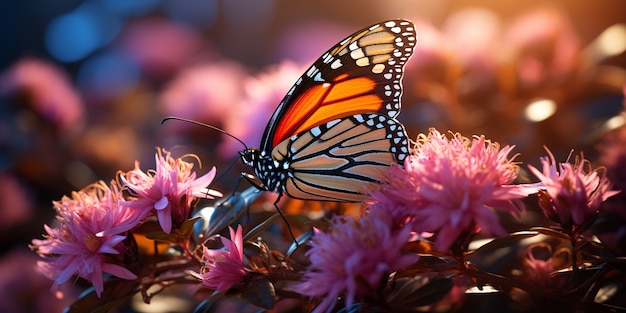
335	130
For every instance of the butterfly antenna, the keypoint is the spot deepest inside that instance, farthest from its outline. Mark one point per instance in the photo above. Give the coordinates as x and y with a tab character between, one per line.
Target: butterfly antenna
232	163
205	125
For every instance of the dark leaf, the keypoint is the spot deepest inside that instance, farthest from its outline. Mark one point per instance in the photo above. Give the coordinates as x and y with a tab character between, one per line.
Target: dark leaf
551	232
204	307
354	308
504	242
259	228
186	229
421	294
163	236
225	212
117	292
260	292
302	240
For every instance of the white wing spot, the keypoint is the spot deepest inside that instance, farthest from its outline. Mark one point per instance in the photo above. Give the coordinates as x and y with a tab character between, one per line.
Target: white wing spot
336	64
327	58
311	71
363	62
332	123
357	54
378	68
316	131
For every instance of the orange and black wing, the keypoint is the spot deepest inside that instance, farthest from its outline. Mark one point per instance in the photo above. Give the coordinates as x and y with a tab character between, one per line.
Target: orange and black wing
361	74
336	161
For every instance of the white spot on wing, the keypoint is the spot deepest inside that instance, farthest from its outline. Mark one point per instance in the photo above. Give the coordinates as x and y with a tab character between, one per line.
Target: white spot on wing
336	64
378	68
363	62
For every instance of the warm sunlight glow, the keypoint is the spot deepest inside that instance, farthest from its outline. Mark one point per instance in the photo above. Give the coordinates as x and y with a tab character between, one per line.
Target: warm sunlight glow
611	42
539	110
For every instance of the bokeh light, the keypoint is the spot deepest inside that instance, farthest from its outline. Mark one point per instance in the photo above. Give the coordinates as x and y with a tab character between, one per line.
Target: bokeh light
75	35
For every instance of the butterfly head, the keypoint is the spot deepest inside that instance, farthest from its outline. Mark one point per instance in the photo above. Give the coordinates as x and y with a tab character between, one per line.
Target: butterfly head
264	167
250	156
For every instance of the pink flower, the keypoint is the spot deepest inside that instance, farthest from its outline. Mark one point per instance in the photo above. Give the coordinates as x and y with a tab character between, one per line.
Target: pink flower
16	202
49	91
224	267
573	192
169	190
449	186
205	92
352	258
23	290
541	262
545	45
143	40
263	93
89	240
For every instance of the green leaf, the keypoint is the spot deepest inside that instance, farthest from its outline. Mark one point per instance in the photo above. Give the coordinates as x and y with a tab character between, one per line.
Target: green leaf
162	236
260	292
259	228
186	229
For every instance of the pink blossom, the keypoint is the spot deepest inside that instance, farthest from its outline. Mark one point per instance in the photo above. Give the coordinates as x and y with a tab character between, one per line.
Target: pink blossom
540	263
89	240
573	192
144	40
449	186
205	92
353	257
263	93
23	290
169	190
224	267
16	202
545	46
49	91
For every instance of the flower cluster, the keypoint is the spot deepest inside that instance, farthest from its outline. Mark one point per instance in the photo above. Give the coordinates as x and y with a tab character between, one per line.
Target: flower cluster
224	267
354	257
90	238
449	186
573	192
167	191
95	224
452	229
381	257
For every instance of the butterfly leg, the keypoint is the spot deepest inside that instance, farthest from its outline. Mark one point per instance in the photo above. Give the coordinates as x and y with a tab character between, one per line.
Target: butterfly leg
295	241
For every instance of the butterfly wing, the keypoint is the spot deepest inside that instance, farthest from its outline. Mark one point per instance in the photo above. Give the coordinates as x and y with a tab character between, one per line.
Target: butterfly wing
361	74
334	161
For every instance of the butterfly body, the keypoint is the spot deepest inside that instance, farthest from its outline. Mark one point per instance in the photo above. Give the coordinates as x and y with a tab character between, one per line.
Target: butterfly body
335	130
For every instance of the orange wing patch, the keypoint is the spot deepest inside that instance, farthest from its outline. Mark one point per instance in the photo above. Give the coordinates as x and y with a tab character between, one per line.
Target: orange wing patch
325	102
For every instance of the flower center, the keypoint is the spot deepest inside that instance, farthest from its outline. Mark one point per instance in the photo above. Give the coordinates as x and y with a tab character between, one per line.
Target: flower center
92	243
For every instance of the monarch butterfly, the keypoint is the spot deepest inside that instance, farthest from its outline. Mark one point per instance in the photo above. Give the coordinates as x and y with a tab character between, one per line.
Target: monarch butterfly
335	130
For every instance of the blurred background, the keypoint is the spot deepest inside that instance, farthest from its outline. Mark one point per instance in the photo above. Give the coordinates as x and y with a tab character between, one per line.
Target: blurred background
85	84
